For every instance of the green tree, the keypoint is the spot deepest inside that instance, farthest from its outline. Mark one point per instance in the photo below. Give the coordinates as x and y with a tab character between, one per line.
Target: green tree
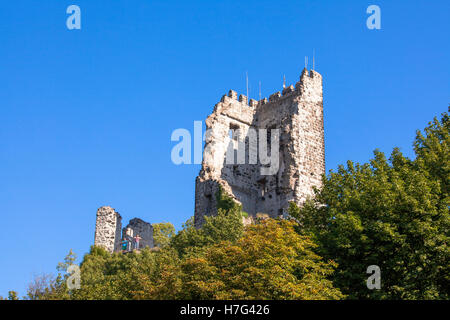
162	233
159	280
12	295
220	260
48	287
432	150
270	261
68	261
225	226
111	276
391	213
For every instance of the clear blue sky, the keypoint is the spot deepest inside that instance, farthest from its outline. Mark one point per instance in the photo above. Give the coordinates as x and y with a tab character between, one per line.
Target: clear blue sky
86	115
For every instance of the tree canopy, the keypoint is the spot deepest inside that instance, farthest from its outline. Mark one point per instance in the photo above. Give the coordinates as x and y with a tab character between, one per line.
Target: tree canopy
162	233
393	213
220	260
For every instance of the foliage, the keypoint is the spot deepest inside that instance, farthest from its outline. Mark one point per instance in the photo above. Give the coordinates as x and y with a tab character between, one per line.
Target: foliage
391	213
12	295
48	287
225	226
271	261
220	260
42	287
110	276
162	233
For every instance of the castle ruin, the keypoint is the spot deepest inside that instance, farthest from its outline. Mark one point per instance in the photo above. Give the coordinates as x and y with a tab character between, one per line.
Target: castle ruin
298	114
110	235
139	227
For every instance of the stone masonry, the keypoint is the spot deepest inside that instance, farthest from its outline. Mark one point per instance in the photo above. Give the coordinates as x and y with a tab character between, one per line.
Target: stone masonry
108	230
298	113
139	227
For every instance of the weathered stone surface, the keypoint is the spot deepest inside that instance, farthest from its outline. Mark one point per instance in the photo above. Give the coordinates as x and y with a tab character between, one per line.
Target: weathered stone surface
298	113
139	227
107	229
109	233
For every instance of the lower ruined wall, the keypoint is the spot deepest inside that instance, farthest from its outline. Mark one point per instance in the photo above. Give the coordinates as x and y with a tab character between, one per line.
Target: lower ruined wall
139	227
108	231
205	199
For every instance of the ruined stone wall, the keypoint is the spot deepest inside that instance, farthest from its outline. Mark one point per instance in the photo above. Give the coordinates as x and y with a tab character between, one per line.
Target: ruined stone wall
139	227
108	229
308	136
109	233
235	179
298	113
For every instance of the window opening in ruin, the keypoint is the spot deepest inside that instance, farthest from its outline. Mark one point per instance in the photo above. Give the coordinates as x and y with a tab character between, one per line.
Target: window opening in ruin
233	132
269	139
262	187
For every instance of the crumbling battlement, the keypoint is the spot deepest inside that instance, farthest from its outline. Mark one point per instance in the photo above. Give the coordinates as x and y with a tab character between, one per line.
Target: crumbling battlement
297	111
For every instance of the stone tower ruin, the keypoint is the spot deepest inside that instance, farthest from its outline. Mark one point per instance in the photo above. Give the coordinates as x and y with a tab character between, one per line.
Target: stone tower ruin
298	114
107	229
